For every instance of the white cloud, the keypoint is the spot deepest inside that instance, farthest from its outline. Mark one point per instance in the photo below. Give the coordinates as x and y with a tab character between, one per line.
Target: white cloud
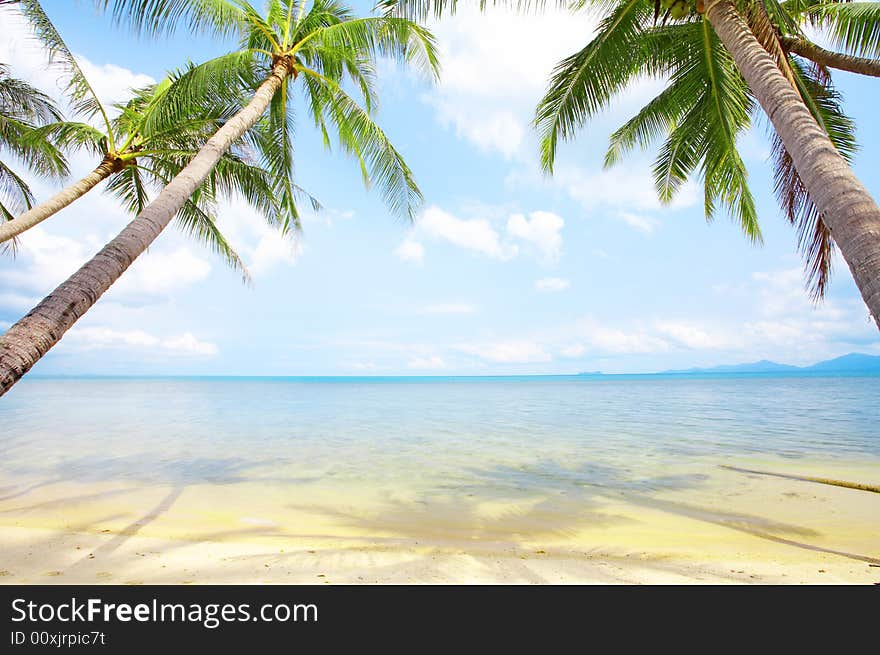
112	83
260	245
45	260
692	335
21	51
474	234
511	351
491	80
498	130
644	224
99	338
624	188
542	229
551	284
573	350
410	251
488	234
426	363
188	344
604	339
449	308
157	274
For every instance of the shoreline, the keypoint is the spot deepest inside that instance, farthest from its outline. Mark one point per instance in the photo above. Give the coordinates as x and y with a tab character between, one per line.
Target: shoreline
45	556
739	529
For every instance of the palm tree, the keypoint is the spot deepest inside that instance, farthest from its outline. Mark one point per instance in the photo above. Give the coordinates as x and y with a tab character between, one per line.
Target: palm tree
137	151
813	176
704	108
23	109
715	72
321	47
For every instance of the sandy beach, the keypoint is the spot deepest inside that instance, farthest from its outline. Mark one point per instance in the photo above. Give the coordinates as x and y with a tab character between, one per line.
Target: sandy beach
742	528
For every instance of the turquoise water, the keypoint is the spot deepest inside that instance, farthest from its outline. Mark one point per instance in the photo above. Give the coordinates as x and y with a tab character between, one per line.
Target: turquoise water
467	434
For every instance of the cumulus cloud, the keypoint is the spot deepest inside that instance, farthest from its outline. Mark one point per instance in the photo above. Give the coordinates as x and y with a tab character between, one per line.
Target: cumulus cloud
542	229
21	51
426	363
488	88
157	274
188	344
645	224
410	251
509	351
262	246
692	335
45	260
474	234
573	350
551	284
100	338
540	233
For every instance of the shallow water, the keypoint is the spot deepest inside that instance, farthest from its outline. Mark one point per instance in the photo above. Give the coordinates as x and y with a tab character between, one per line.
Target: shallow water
501	460
180	431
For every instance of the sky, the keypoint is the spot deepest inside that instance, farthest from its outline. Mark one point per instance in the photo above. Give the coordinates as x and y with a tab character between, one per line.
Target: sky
504	271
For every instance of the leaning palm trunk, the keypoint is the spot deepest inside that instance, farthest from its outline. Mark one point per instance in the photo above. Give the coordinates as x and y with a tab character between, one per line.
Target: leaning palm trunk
846	207
32	337
59	201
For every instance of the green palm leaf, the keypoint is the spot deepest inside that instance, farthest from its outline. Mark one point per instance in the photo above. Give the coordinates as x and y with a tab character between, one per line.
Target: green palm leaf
584	83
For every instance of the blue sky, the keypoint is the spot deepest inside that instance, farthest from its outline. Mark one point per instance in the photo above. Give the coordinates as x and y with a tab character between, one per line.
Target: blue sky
505	270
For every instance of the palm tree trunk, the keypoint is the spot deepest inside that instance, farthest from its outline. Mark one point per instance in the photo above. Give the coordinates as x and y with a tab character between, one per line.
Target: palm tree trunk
837	60
39	213
32	337
847	209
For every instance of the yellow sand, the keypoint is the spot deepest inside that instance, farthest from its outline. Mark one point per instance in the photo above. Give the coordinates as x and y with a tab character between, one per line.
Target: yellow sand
736	528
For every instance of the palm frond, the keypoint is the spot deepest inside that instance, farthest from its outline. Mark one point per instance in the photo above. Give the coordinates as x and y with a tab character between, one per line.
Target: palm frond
160	17
421	10
397	38
853	27
701	112
16	196
84	100
73	136
585	83
214	88
814	238
23	102
361	137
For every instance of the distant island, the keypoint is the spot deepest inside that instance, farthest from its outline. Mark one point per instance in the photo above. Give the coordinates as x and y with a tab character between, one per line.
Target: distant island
853	363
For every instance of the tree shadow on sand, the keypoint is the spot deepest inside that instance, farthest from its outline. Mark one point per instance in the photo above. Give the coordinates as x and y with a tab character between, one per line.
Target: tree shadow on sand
139	473
554	500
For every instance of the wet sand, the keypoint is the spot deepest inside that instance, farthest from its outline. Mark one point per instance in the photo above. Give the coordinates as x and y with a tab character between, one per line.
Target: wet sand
733	527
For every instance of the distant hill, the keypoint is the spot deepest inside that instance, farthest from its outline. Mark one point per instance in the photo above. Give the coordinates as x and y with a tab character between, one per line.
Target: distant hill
852	363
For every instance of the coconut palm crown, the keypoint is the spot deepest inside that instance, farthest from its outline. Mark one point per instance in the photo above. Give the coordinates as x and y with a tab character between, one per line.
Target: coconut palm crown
23	109
325	48
703	110
140	145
